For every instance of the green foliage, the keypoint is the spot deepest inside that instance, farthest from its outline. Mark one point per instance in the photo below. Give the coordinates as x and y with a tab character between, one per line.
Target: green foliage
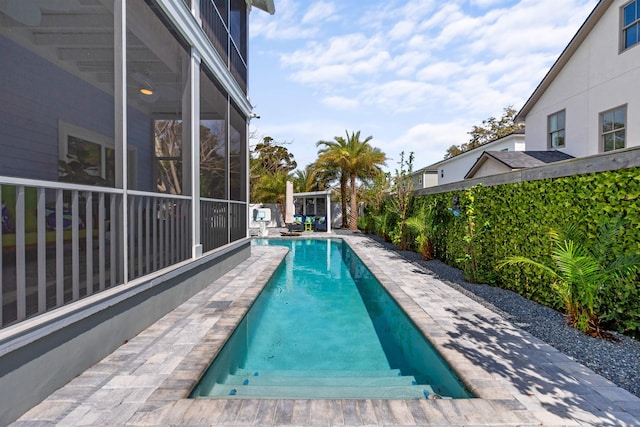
585	270
401	197
514	219
422	225
490	130
354	159
271	165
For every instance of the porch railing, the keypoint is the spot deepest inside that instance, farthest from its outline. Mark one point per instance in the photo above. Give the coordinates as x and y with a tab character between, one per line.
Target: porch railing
221	222
63	242
217	32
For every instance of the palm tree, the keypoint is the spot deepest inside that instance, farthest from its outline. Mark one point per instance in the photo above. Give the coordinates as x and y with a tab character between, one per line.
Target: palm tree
308	179
329	172
585	269
271	188
356	159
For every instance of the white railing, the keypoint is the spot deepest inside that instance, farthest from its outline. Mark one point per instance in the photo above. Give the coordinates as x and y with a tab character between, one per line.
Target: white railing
63	242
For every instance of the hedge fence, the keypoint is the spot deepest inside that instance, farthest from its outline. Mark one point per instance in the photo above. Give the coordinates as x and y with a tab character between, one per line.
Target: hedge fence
515	218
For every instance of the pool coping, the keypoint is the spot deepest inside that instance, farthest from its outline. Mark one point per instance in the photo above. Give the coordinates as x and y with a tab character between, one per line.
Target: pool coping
516	378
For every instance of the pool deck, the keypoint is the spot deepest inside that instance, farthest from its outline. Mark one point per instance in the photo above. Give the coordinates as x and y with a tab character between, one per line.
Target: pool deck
518	379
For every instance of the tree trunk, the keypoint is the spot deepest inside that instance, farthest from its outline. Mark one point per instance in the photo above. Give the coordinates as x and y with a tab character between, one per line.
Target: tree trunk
343	199
353	215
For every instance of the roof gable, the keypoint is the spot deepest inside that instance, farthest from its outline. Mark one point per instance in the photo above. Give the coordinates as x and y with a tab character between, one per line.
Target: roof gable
592	20
518	159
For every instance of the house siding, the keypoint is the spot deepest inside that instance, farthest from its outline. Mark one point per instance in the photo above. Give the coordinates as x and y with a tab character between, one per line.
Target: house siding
595	79
457	167
34	102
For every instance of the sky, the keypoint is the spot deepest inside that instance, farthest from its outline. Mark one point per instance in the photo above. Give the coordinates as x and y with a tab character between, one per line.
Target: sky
414	75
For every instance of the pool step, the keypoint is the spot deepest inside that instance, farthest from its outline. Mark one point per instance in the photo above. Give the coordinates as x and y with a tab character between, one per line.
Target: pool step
318	373
320	384
360	381
321	392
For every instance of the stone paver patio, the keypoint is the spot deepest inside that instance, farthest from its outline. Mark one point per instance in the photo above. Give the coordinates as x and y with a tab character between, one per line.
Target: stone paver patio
516	378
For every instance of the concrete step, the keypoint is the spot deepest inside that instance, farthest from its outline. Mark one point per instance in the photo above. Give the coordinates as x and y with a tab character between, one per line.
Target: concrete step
321	392
320	373
358	381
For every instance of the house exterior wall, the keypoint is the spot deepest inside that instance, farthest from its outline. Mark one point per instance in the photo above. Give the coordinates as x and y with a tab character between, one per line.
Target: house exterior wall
597	78
491	167
424	178
91	253
455	169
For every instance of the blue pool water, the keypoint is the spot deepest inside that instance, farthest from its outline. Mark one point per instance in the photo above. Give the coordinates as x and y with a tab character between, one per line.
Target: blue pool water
323	327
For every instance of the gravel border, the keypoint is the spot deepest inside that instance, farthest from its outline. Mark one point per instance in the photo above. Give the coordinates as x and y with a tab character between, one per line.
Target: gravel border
619	362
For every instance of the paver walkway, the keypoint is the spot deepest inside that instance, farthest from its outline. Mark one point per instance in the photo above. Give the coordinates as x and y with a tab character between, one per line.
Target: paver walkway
518	379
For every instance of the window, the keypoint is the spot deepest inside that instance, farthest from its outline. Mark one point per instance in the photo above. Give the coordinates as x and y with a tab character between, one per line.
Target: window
631	24
87	157
168	154
613	128
556	125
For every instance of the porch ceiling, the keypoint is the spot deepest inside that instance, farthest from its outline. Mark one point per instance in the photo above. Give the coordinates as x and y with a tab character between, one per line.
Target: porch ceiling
78	36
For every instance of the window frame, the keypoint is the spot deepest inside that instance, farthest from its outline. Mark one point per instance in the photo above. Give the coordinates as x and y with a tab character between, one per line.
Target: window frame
558	130
602	133
625	27
67	130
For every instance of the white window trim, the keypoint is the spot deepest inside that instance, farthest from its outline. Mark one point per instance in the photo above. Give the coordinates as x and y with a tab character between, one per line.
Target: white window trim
549	132
623	29
66	129
601	122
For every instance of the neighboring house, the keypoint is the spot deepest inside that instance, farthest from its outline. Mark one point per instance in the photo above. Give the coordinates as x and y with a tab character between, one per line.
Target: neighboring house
123	174
497	162
589	101
425	177
455	168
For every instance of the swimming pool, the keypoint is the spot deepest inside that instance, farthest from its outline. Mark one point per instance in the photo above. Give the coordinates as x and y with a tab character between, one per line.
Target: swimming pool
324	328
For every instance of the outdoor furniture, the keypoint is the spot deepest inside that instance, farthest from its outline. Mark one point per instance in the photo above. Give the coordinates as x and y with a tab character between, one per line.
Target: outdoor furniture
308	222
320	224
298	223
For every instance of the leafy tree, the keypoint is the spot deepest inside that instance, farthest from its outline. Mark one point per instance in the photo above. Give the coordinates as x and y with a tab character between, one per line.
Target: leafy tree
490	130
401	196
272	157
270	162
356	159
271	188
312	178
373	191
327	163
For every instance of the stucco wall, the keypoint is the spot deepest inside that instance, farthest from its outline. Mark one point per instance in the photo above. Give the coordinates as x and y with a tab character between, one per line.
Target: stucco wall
456	168
491	167
597	78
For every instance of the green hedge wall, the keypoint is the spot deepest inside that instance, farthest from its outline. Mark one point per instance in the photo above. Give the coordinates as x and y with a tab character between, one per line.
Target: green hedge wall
513	219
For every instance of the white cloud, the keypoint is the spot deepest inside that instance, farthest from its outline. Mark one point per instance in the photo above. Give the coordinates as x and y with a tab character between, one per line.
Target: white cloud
429	141
319	11
340	103
417	74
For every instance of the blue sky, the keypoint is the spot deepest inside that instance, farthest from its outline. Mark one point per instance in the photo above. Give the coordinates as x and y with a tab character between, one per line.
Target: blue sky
414	75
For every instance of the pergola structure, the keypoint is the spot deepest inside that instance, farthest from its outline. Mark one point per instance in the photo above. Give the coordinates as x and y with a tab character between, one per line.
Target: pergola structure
317	203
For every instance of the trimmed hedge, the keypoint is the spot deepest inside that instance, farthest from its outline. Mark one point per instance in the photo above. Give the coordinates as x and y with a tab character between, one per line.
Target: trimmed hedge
514	219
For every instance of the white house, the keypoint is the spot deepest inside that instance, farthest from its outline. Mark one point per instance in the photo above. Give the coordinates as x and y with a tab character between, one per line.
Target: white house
455	168
589	101
425	177
497	162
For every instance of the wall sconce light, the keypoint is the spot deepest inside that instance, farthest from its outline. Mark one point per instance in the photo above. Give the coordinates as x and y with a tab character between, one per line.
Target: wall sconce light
455	205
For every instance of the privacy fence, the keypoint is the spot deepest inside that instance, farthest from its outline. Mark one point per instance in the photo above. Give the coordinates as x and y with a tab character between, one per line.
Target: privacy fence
483	221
